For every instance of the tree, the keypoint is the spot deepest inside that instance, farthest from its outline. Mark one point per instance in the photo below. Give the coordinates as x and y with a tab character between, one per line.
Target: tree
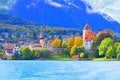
22	49
79	50
56	43
17	56
78	41
27	54
97	40
95	44
117	48
118	56
73	49
37	54
94	47
64	44
110	53
103	35
70	42
118	51
2	52
105	43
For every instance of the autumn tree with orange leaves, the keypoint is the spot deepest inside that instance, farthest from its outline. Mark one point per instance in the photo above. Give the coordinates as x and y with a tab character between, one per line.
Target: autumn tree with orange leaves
56	43
70	42
78	42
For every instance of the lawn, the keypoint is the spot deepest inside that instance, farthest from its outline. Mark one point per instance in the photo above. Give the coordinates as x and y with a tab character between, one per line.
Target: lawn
102	59
61	56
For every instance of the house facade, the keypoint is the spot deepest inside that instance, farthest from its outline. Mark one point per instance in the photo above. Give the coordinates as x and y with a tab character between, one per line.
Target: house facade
10	49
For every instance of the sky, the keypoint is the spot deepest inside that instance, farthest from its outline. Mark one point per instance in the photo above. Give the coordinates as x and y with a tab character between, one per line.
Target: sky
99	14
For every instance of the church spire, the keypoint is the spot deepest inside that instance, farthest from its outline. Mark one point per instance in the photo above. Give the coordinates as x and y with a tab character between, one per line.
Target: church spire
41	33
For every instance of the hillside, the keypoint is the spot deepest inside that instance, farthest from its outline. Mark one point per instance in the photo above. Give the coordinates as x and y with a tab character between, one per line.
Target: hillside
16	27
12	20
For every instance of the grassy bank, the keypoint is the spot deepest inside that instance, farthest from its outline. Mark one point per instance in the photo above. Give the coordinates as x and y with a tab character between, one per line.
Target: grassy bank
60	56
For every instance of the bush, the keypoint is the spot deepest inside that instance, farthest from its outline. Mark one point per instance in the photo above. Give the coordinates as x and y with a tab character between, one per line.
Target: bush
79	50
66	51
73	49
82	55
28	54
96	53
17	56
37	54
45	54
118	56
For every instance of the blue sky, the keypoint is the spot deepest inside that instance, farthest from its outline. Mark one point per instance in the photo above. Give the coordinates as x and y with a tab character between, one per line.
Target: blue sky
99	14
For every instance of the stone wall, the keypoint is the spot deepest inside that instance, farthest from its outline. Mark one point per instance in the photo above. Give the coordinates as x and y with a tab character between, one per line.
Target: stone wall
57	50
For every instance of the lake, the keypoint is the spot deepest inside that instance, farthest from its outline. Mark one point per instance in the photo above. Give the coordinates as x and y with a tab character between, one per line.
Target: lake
59	70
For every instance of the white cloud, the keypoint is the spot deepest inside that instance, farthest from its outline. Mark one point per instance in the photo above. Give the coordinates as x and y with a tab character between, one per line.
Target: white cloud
71	3
53	3
34	3
110	9
6	5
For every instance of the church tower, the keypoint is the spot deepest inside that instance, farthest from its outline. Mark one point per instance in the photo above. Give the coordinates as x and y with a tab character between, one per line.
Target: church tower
85	30
41	39
87	37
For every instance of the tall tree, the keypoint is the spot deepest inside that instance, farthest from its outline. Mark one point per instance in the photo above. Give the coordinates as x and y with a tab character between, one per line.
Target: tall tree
70	42
105	43
78	41
56	43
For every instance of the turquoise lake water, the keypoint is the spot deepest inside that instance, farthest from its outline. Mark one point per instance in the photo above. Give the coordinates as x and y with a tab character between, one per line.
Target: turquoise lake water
59	70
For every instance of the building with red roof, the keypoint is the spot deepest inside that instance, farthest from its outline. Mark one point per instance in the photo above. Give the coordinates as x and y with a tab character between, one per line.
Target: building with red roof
88	37
10	49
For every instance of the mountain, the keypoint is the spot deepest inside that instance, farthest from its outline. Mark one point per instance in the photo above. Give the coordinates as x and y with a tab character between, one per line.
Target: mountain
13	20
16	25
61	13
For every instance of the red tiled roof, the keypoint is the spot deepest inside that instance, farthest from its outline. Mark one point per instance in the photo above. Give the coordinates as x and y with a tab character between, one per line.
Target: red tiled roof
10	46
89	36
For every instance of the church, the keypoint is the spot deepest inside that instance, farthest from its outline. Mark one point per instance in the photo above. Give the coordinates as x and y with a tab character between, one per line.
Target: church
88	37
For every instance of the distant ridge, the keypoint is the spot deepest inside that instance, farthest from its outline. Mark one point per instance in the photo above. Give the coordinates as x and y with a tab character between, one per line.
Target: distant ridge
13	20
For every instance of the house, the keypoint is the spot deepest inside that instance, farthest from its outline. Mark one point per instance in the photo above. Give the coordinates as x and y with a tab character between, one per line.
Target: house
87	37
65	38
49	44
10	49
116	36
35	45
42	41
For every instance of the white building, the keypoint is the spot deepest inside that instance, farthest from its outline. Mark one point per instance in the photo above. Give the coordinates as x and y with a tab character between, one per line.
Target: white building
87	37
11	49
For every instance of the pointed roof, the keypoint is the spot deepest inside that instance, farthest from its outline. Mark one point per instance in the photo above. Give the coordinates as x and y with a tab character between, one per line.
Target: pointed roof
89	36
87	27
